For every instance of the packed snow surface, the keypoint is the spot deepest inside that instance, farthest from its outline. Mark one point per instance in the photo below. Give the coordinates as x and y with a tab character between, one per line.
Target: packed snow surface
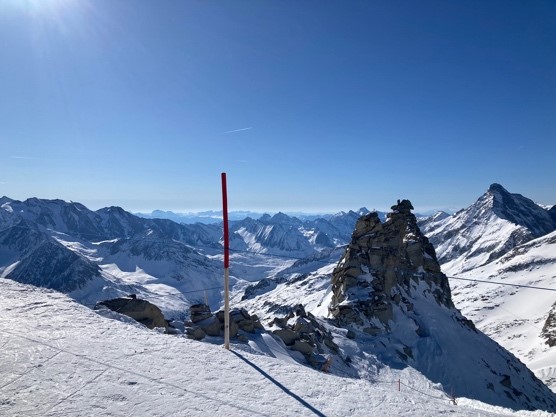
58	358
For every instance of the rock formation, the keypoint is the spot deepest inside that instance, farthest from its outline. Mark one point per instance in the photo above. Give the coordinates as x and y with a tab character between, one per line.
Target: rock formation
388	290
379	265
300	331
141	310
204	323
549	328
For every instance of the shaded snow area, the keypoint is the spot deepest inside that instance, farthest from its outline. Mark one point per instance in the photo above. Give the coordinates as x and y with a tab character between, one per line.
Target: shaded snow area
59	358
514	316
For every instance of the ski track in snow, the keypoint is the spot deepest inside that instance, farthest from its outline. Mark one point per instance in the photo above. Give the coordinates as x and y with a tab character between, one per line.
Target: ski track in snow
59	358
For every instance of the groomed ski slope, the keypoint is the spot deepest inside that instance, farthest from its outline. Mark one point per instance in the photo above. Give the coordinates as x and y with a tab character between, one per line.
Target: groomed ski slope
59	358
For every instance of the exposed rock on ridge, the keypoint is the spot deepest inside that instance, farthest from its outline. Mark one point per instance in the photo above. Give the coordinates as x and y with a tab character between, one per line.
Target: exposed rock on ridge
389	291
381	260
549	328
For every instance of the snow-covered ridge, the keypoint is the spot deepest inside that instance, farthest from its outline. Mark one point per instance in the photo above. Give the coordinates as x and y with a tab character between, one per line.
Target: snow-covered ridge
514	316
489	228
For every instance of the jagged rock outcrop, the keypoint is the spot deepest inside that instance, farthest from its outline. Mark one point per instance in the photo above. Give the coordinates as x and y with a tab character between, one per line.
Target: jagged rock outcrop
143	311
549	328
388	289
381	260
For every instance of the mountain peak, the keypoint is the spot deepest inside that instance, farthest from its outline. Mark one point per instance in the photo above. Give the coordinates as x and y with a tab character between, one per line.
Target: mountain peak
519	210
5	199
280	217
265	218
497	188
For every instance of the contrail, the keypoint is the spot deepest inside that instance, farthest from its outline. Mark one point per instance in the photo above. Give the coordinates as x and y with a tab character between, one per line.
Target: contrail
23	157
237	130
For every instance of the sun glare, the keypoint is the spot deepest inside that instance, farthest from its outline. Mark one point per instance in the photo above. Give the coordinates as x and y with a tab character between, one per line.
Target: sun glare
44	7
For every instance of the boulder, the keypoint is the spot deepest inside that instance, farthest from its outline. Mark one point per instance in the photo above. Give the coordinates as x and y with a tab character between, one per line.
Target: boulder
143	311
288	336
211	326
304	347
199	312
195	333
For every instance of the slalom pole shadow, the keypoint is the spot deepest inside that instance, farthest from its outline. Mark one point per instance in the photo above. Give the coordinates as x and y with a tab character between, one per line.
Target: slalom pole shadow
279	385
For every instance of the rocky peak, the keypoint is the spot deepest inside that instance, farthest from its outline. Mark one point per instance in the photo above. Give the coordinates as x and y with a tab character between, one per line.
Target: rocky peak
497	188
381	267
519	210
265	218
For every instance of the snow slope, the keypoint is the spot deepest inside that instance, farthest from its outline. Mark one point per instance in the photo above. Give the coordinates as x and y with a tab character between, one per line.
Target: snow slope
73	362
514	316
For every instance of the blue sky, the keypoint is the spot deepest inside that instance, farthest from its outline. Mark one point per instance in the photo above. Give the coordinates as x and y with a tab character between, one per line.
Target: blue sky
307	105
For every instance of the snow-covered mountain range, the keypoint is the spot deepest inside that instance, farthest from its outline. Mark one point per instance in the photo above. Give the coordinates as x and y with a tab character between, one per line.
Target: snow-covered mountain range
110	252
94	255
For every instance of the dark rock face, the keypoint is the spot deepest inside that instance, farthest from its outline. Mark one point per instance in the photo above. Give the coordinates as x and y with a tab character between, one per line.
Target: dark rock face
552	214
141	310
549	328
51	265
520	210
381	259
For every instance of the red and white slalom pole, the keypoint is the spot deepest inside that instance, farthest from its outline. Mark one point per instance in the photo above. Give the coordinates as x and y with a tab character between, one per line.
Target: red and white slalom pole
226	264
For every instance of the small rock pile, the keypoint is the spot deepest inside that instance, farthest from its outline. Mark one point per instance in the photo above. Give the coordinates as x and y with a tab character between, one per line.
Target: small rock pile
204	323
300	331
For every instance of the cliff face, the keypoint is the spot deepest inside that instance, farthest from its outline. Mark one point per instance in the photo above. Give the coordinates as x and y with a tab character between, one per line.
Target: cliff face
378	269
389	291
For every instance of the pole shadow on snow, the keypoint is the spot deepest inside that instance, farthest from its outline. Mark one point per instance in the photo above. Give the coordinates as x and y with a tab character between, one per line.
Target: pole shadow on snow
279	385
